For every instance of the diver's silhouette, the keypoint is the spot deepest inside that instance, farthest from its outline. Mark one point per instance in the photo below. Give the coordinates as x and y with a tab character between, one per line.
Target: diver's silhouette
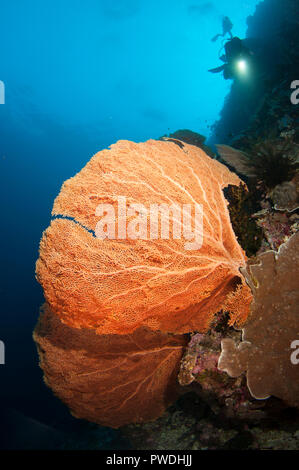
226	29
235	51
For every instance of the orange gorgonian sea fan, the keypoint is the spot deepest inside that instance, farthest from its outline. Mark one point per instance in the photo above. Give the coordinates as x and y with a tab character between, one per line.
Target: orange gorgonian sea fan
115	286
112	380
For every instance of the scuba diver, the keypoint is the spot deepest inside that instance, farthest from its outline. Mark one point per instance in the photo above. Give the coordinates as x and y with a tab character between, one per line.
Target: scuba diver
235	59
226	29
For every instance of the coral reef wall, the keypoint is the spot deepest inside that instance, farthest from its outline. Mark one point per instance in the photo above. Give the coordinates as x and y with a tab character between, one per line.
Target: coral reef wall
262	102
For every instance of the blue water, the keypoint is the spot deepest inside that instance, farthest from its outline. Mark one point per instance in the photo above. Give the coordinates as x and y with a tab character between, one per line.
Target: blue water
79	76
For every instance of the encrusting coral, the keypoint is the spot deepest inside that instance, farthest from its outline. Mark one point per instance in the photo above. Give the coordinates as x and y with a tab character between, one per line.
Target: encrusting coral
271	329
106	337
118	285
285	196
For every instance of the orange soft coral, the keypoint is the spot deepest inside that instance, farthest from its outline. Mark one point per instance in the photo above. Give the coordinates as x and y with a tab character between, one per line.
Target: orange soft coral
117	286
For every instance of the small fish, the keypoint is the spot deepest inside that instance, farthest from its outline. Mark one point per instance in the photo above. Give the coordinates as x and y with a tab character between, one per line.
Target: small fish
175	141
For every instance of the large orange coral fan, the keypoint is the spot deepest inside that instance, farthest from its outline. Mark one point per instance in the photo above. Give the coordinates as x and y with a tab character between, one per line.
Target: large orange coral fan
118	285
111	380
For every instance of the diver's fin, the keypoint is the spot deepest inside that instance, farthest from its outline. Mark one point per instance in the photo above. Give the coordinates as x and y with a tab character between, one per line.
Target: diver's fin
218	69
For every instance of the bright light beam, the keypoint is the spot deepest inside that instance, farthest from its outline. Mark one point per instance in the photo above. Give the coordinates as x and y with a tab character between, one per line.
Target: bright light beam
242	66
